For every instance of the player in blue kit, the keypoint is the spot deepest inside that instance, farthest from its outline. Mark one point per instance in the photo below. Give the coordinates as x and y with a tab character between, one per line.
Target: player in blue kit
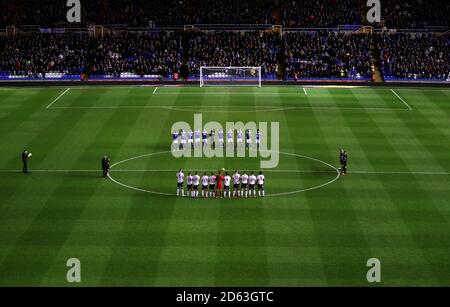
205	138
230	141
248	138
191	138
198	135
220	134
240	139
175	142
258	138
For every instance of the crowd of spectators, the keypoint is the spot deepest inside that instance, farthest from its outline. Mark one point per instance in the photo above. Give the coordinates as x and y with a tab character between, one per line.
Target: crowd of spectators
414	56
7	11
312	54
407	14
232	12
140	54
242	49
34	55
51	13
327	55
153	13
415	14
320	13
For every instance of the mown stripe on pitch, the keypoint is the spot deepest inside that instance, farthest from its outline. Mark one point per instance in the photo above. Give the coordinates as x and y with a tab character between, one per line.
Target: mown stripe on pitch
308	229
328	132
117	265
397	199
236	245
53	136
438	153
45	137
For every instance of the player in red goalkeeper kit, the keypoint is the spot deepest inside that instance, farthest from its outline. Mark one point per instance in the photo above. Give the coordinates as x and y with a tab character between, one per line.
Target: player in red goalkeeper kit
219	186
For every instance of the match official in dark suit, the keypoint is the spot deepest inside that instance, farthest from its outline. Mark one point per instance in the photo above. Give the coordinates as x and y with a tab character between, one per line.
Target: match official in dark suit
25	156
105	166
343	158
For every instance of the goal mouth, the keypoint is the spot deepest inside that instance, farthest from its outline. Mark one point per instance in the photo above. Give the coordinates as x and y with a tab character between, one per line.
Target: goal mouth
230	76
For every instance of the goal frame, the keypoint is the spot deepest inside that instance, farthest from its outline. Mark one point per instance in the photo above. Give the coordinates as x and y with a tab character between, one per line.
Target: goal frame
232	83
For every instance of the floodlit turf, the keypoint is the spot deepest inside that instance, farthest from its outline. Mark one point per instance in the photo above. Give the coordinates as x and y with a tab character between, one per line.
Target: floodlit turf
395	206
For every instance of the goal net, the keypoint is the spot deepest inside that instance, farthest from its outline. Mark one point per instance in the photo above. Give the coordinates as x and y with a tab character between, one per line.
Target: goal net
230	76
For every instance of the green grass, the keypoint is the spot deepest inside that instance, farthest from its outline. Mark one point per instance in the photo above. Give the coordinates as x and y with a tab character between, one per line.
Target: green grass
387	208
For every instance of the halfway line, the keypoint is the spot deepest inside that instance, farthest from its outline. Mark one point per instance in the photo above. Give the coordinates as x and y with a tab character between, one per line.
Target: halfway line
265	171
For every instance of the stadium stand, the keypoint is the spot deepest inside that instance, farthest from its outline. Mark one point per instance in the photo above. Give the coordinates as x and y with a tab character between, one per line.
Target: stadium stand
414	56
34	55
415	14
327	55
137	55
320	13
137	47
232	12
234	49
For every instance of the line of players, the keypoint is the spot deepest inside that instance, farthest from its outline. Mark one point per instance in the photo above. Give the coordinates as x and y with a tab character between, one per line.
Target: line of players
220	186
196	138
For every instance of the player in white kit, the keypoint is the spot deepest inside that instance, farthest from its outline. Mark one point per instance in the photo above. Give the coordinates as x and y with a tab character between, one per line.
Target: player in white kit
236	181
261	179
205	182
189	184
251	184
195	184
227	183
244	184
180	183
212	185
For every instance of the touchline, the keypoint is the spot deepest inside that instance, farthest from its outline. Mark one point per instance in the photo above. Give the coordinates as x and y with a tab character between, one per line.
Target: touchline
233	140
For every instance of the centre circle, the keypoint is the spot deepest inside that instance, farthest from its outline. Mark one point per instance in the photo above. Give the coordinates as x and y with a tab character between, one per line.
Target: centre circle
331	167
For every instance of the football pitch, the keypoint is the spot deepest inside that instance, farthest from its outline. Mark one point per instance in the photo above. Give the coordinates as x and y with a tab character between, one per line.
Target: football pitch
314	228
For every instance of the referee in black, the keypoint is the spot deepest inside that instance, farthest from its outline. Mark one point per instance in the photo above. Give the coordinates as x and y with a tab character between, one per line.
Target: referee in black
25	156
343	158
105	166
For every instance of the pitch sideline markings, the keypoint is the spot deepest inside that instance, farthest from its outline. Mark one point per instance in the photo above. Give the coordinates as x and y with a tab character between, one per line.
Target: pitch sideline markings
401	99
57	98
156	89
304	90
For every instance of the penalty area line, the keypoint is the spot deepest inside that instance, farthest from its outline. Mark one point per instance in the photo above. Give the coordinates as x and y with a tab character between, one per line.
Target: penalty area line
57	98
401	99
156	89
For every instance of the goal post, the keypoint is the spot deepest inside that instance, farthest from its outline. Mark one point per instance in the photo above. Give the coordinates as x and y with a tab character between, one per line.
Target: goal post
230	76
